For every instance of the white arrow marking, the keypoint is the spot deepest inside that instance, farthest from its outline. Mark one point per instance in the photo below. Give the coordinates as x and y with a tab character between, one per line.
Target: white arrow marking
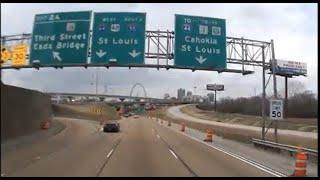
56	55
101	53
201	59
134	53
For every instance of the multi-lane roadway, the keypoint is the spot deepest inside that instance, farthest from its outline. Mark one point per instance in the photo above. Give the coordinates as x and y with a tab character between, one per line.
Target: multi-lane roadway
143	147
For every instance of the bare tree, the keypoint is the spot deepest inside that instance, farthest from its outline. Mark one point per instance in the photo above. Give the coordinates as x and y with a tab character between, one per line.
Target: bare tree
295	87
166	96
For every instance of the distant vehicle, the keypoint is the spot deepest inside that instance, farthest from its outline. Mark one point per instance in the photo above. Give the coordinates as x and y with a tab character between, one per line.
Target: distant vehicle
131	114
111	126
126	115
135	116
149	108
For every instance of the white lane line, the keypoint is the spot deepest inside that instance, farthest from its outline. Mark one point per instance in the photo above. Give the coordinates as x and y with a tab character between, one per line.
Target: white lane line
2	174
37	157
158	136
259	166
173	154
110	153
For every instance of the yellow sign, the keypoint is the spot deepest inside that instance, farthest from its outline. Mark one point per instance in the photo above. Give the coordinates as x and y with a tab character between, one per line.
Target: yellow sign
5	54
98	111
19	55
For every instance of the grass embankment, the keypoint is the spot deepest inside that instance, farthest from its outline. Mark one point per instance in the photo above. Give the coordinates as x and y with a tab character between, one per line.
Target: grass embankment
85	111
297	124
241	135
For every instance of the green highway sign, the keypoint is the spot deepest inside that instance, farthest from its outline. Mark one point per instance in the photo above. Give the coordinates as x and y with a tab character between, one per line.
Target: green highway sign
118	38
60	38
200	42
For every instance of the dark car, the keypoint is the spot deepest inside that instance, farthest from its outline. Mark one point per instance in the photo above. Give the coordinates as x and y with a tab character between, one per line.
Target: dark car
126	115
111	126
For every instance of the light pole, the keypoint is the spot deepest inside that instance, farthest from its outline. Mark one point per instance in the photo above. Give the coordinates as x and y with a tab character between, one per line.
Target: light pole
194	93
96	84
105	88
215	101
96	79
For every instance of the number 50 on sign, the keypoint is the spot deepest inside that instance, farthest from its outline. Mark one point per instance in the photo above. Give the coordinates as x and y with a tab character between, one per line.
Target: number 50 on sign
276	109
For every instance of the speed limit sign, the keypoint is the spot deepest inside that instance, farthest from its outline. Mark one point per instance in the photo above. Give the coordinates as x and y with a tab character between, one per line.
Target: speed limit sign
19	55
276	109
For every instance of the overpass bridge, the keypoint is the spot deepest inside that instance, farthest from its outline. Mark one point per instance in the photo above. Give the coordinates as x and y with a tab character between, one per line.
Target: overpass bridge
163	102
121	97
155	101
149	99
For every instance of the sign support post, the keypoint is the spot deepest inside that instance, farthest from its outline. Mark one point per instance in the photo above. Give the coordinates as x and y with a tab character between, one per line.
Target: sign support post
263	94
274	87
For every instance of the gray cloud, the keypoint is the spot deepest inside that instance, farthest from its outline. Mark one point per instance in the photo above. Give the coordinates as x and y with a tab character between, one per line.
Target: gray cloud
292	26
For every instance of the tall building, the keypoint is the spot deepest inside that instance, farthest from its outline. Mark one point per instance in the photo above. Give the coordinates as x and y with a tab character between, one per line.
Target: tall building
189	93
181	93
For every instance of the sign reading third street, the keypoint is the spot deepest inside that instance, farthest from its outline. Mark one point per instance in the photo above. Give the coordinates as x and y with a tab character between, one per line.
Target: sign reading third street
60	38
118	38
200	42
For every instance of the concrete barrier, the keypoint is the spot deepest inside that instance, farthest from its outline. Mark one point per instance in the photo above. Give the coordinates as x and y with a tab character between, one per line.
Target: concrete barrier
22	111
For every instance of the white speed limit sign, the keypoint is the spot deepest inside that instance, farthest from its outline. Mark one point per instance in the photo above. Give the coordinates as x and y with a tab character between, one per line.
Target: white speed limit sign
276	109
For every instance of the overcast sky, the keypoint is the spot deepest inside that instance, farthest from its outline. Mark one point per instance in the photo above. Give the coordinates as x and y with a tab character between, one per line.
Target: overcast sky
293	27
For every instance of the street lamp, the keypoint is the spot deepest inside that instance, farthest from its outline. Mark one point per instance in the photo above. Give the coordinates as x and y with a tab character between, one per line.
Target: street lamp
105	88
96	83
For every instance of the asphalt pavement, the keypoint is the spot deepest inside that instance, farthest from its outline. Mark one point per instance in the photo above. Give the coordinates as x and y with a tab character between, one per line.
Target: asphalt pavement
142	148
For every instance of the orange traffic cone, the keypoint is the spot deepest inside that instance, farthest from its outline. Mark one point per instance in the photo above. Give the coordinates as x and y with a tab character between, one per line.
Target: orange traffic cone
45	125
182	127
209	136
300	166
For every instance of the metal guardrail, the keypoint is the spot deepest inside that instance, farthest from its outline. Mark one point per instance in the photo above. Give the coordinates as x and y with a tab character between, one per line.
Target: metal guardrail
284	146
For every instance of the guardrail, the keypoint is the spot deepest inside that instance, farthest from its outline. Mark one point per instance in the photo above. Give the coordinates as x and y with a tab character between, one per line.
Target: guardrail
289	148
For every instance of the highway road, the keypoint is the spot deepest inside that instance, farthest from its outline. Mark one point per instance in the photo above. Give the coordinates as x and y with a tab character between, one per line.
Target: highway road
141	148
